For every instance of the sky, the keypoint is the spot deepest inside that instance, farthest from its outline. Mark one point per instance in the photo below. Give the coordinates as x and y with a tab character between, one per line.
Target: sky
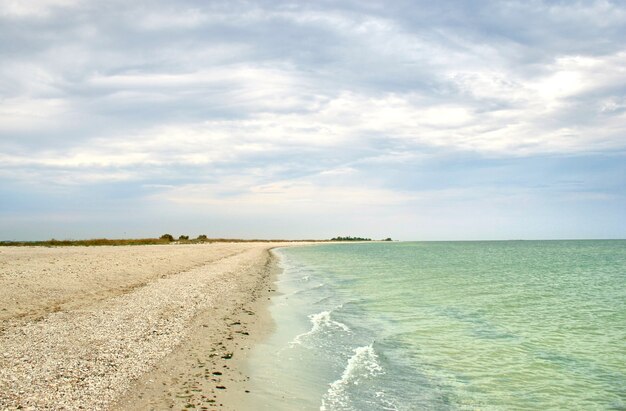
416	120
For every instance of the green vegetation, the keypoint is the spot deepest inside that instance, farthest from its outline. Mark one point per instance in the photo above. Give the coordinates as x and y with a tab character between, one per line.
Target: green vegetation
164	239
91	242
167	237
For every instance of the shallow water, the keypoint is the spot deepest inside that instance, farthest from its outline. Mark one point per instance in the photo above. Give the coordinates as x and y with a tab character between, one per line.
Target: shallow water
446	325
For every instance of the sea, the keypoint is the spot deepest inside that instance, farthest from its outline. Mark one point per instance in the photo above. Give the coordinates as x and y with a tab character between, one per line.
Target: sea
494	325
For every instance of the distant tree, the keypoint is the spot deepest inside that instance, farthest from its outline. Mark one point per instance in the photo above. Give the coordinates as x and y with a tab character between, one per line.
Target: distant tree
388	239
167	237
348	238
202	237
183	237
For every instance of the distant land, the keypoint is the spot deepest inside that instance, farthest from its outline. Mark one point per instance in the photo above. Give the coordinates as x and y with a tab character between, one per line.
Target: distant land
164	239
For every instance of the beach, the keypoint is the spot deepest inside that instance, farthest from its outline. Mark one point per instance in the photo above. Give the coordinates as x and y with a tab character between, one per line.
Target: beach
140	327
270	326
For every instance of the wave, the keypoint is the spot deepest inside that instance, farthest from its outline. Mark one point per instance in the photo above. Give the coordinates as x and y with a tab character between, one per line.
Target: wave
363	365
321	321
307	290
323	299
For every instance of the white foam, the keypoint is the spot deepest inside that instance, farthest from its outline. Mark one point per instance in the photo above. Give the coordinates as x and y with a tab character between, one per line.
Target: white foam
306	290
316	287
386	404
320	321
362	365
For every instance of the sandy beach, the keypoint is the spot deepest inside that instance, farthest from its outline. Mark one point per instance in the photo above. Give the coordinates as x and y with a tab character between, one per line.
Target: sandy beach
141	327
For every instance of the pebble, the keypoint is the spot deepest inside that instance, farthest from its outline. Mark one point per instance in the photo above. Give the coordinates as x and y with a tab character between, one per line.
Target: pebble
87	358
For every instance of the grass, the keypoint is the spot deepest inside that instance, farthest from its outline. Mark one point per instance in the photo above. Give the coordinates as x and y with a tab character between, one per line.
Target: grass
135	241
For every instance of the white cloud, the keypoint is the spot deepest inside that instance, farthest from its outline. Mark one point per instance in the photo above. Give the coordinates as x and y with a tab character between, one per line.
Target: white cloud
233	104
245	196
33	8
347	120
23	113
186	18
489	107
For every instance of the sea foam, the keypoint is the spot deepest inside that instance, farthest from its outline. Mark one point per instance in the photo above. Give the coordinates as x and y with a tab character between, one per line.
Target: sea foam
361	366
320	322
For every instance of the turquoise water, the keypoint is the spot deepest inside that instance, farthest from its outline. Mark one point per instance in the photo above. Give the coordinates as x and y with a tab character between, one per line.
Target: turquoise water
522	325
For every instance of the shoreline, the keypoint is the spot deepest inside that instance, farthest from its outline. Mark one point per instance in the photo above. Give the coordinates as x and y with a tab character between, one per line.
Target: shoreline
150	337
188	376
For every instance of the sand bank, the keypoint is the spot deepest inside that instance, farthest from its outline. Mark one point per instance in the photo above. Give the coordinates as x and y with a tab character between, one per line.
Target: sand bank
142	327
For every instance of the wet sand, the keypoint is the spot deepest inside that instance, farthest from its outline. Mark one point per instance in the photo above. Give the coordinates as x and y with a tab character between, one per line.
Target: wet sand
141	327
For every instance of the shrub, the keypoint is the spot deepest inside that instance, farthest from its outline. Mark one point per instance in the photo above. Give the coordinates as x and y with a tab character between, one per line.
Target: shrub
167	237
348	238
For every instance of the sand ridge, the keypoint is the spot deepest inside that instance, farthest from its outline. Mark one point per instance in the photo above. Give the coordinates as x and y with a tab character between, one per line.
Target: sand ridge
35	281
90	350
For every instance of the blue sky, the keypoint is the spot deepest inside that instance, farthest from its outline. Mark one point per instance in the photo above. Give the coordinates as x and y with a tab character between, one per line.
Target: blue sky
416	119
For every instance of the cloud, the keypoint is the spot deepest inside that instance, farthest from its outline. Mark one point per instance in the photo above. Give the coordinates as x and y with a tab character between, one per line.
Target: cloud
274	95
35	8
